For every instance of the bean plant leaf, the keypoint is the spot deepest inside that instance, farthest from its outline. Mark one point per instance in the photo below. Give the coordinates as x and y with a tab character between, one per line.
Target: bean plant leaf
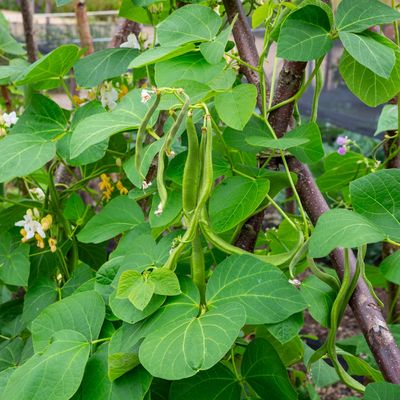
8	44
123	351
304	35
342	228
382	391
390	267
191	66
236	105
185	346
388	120
357	16
14	261
119	215
365	84
282	143
40	294
374	198
319	297
23	154
265	372
191	23
10	353
92	130
370	53
83	312
235	199
104	64
287	330
216	383
310	151
54	65
62	363
96	385
43	118
213	51
159	54
261	288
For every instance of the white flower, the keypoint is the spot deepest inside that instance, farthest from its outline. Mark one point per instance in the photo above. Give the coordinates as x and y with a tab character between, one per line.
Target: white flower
10	119
145	185
131	42
31	226
159	210
295	282
108	96
146	95
37	193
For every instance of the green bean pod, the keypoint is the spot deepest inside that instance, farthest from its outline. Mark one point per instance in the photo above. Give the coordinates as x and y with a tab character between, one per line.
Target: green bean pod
141	133
197	266
191	172
207	179
165	149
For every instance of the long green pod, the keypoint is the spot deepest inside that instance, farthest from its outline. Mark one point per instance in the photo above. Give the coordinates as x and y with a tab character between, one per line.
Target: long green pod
207	177
191	172
165	149
338	307
330	280
141	133
197	266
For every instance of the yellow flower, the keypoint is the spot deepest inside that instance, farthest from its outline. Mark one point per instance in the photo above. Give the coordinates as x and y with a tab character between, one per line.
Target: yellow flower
122	189
39	241
77	100
124	90
46	222
23	233
106	186
53	245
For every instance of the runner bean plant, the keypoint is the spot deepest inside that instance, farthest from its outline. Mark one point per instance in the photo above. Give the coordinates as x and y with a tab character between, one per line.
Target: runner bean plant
167	235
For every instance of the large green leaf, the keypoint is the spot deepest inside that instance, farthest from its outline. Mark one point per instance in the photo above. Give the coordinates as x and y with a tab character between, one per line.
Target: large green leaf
23	154
190	66
54	374
319	297
288	329
388	120
261	288
213	51
377	197
311	151
83	312
390	267
283	143
10	353
342	228
374	55
54	65
191	23
304	35
264	371
185	346
382	391
8	44
119	215
235	199
126	311
217	383
14	261
159	54
43	118
366	85
236	105
104	64
341	170
97	386
127	116
39	295
123	351
356	16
